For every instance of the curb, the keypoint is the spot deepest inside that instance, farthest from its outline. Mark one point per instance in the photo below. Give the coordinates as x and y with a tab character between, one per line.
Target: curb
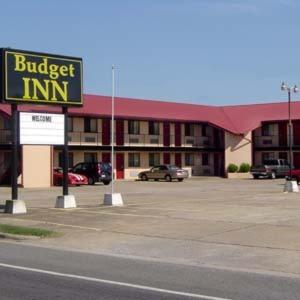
18	237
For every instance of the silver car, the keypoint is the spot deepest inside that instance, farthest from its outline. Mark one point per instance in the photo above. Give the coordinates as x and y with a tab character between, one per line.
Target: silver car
165	172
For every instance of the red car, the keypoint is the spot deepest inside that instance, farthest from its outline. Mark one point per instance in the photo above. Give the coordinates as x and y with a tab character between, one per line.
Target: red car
73	179
295	175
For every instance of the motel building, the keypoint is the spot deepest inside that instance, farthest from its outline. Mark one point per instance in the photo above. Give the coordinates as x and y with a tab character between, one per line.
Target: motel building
202	139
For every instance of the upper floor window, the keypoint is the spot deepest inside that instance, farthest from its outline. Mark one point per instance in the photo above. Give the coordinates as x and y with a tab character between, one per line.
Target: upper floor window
153	128
70	124
204	130
189	129
133	127
90	125
267	129
7	123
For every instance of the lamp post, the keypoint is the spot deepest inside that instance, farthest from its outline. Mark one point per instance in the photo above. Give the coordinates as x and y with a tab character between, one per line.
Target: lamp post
112	198
290	90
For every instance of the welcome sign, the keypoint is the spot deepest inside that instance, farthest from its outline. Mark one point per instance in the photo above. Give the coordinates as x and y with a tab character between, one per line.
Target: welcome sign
29	77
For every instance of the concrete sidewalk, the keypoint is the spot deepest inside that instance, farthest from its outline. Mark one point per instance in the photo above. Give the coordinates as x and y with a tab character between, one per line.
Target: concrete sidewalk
244	224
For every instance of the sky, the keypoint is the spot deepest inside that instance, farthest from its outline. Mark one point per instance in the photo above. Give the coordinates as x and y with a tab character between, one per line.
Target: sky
215	52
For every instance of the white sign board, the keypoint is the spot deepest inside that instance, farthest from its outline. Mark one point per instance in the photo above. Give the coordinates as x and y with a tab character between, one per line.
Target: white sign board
41	129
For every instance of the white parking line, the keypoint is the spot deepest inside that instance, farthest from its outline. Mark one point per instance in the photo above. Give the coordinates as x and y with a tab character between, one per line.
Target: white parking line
124	284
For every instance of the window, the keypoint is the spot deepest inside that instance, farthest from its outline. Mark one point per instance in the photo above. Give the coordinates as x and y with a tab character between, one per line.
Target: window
60	159
189	159
267	130
153	128
90	125
70	124
154	159
90	157
134	160
189	129
7	124
205	159
133	127
204	130
267	156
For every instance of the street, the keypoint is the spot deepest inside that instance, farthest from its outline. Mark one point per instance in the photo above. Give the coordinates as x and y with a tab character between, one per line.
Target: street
31	272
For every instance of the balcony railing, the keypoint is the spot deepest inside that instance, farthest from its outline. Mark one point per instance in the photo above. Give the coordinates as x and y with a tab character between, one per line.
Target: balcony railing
142	140
275	141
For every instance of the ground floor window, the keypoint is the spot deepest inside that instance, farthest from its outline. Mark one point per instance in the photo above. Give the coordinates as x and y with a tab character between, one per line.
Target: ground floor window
205	159
60	159
90	157
154	159
267	155
189	159
134	160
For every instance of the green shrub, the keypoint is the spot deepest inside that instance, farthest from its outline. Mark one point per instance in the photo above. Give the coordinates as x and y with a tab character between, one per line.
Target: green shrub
232	168
244	168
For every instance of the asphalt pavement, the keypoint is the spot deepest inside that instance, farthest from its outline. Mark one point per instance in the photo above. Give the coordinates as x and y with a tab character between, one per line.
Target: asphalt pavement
31	272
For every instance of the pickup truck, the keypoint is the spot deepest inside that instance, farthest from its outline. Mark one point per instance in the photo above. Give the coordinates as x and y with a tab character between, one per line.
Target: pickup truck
271	168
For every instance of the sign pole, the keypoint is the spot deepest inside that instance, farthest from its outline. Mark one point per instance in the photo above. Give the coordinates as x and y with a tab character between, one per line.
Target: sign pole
65	154
15	206
66	200
15	158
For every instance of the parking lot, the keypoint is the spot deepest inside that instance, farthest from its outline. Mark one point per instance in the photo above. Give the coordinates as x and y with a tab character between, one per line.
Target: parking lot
211	221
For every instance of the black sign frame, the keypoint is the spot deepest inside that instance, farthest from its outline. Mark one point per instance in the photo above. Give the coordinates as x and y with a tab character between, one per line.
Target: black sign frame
67	59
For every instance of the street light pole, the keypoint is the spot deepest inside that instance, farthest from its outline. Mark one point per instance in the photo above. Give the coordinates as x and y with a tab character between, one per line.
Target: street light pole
112	128
290	135
290	186
289	89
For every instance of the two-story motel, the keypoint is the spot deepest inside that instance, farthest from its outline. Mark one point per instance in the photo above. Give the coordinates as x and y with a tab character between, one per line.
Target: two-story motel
202	139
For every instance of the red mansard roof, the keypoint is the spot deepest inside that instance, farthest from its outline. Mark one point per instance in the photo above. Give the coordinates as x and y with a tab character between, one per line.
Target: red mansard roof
238	119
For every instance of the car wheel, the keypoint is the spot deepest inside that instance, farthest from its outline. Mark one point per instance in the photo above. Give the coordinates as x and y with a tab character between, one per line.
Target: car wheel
144	177
106	182
91	181
255	176
168	178
180	179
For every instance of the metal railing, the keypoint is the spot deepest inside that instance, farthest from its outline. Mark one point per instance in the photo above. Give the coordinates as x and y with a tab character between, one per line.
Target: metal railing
274	141
144	140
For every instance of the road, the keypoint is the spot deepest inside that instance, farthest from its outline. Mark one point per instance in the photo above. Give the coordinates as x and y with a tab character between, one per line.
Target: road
31	272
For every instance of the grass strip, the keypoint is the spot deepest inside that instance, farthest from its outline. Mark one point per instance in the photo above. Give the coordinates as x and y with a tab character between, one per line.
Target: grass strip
4	228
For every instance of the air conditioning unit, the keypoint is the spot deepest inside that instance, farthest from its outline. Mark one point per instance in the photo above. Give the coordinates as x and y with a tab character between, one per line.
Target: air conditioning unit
154	141
90	139
267	142
134	140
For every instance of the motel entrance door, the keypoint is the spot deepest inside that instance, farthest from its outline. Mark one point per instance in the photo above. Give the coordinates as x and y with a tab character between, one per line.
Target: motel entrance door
120	165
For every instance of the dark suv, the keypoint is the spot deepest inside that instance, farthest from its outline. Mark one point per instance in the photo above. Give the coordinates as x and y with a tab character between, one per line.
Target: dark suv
94	171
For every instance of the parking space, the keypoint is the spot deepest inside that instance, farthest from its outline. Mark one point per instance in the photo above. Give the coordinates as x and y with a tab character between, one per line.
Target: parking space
232	223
